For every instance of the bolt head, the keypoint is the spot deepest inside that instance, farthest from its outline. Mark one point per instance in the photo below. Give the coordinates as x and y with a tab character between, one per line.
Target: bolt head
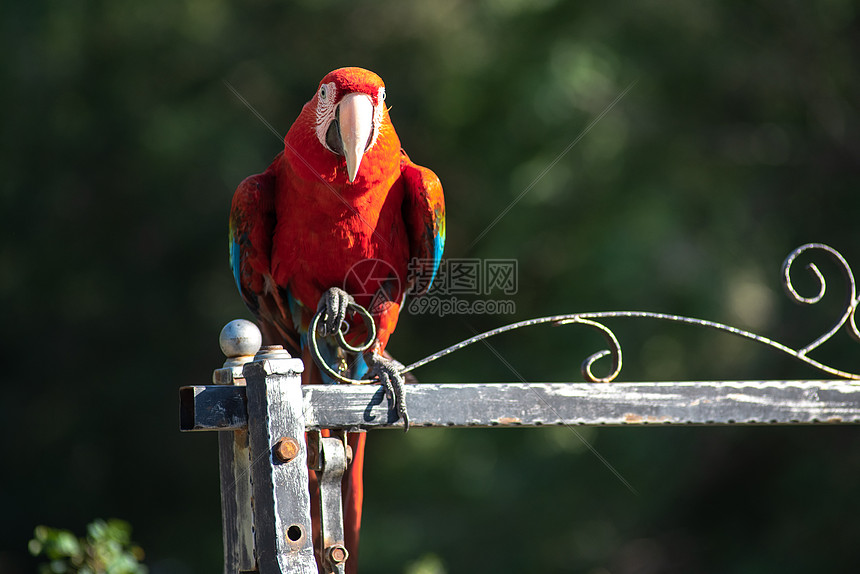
337	553
240	338
286	449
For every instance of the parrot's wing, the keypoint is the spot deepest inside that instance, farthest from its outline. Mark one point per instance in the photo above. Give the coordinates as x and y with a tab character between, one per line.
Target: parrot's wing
424	214
252	225
252	222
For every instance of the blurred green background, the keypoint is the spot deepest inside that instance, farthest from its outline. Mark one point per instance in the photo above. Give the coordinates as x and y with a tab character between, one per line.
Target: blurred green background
740	140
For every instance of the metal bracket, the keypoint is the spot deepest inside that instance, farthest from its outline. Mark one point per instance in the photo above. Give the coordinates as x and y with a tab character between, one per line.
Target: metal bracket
329	458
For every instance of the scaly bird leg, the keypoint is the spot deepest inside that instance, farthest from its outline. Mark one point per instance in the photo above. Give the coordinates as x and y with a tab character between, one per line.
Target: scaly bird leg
388	371
335	302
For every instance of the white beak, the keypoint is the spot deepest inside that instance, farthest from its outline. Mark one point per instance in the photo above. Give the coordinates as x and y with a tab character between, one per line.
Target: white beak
356	127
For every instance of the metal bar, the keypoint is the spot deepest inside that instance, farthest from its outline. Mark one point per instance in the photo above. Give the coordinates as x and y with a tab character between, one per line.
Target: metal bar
234	461
536	404
236	515
212	407
279	472
333	465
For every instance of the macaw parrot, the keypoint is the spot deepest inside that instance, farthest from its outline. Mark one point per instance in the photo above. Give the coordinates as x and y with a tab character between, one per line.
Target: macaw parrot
342	214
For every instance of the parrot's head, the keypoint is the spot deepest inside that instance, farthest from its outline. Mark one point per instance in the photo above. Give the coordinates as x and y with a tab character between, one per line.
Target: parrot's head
349	110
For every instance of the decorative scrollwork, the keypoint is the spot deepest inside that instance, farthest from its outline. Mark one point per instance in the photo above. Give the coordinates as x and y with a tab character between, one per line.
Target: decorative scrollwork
848	320
593	320
851	300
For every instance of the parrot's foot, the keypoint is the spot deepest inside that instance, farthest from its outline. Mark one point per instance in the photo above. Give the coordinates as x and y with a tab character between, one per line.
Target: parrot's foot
334	303
388	371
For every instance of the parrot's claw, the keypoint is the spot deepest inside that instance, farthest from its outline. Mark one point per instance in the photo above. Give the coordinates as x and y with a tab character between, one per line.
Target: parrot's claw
334	303
390	376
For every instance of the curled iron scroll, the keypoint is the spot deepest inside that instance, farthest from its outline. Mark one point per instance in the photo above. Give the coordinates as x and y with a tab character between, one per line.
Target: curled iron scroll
592	320
848	318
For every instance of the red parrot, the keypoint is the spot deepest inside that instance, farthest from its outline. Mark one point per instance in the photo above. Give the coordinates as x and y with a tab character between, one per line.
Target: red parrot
342	214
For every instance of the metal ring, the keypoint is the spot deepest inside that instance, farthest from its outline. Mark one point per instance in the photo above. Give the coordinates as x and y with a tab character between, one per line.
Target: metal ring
368	324
313	343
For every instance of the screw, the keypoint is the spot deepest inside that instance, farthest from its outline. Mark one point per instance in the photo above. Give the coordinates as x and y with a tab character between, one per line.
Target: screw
337	553
286	449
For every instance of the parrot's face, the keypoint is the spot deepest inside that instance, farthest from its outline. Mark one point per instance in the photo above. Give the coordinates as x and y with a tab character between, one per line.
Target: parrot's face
349	110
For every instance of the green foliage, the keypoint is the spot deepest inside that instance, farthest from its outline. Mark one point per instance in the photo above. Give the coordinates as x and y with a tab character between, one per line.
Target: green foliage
106	549
427	564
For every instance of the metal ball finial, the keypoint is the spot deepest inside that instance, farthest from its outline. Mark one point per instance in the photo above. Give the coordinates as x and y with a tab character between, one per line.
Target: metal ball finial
240	338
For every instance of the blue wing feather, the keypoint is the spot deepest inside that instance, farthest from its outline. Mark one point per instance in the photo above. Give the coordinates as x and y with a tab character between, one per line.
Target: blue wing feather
424	213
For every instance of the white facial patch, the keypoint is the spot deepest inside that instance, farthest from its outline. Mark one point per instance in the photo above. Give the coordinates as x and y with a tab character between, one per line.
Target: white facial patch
326	98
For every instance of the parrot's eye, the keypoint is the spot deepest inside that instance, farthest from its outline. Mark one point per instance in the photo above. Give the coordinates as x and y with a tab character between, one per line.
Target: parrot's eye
381	94
327	93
